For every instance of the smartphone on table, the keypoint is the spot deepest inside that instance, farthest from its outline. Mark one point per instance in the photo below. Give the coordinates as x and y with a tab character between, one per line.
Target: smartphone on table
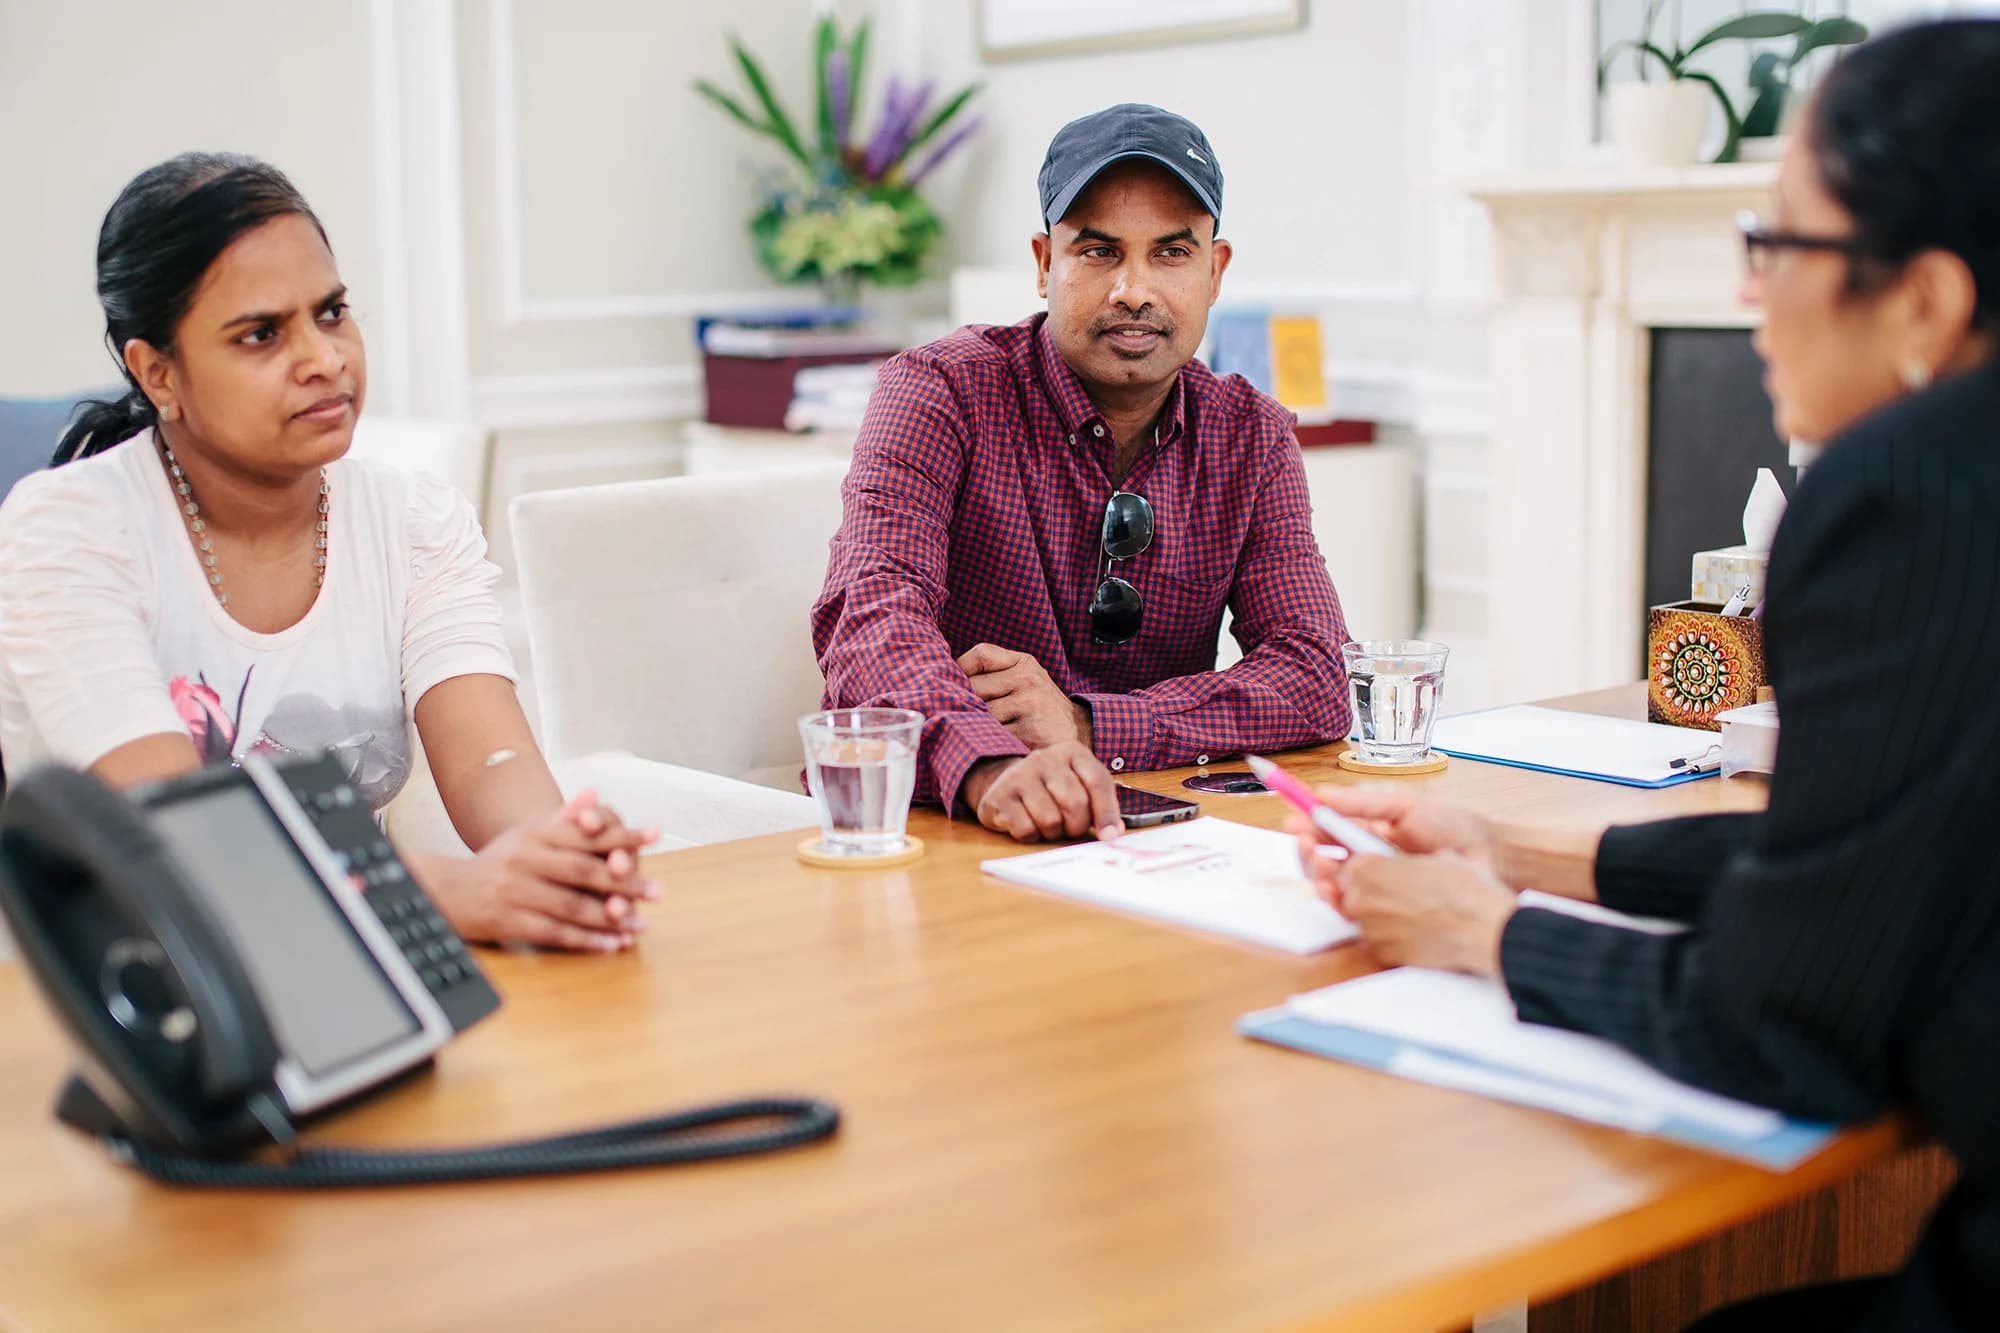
1143	809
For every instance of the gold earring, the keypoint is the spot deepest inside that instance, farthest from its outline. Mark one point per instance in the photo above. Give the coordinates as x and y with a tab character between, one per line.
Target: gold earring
1917	374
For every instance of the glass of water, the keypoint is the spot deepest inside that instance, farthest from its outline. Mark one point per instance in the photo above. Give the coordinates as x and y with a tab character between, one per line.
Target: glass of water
1394	685
861	765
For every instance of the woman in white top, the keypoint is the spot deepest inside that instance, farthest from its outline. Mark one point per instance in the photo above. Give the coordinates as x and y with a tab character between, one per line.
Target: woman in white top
205	573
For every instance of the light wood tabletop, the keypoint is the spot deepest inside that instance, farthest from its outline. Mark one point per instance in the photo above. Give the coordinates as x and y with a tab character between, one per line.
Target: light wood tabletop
1050	1124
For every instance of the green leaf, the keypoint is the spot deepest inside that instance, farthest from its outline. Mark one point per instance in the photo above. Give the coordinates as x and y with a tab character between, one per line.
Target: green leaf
857	63
1735	131
1750	28
731	105
1827	32
780	125
823	43
944	114
1671	65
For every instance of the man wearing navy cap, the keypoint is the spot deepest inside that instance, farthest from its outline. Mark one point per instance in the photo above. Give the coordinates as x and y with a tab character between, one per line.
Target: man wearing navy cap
1044	522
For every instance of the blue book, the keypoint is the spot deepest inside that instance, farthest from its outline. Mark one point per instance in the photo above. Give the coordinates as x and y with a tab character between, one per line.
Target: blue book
1240	344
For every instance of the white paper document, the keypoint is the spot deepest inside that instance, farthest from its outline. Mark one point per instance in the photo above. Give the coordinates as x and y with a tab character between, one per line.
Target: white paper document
1210	874
1584	744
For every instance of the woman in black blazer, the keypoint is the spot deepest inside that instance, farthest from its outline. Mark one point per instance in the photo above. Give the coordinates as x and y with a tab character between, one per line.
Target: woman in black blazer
1844	955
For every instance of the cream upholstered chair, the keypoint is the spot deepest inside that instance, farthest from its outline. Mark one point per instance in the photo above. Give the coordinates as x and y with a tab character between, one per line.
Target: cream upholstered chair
669	618
689	807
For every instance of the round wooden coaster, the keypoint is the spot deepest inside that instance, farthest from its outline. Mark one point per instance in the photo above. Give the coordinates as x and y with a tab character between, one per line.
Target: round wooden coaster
1352	761
811	854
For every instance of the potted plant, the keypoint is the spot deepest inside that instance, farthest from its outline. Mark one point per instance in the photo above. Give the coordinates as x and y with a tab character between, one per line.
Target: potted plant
1661	124
851	213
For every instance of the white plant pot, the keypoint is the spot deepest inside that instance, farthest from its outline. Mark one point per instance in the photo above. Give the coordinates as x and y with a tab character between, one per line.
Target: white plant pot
1659	124
1761	148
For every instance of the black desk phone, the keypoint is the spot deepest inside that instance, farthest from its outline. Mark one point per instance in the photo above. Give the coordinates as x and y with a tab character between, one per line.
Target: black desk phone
241	948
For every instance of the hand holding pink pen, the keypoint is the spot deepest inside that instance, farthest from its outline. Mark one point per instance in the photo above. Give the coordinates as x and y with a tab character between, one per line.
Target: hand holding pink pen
1336	826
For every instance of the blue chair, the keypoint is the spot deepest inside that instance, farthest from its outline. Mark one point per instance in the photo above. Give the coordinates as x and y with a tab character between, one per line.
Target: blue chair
29	428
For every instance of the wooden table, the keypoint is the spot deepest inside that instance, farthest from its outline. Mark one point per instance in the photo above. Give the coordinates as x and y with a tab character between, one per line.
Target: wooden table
1050	1124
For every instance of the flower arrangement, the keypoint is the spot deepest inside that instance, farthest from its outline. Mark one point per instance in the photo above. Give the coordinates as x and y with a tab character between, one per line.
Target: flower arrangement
855	213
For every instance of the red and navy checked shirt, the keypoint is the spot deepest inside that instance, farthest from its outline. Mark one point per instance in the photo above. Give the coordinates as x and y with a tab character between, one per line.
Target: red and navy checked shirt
973	514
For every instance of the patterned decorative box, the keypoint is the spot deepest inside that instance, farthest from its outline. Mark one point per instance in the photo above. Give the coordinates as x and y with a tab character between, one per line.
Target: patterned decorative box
1699	663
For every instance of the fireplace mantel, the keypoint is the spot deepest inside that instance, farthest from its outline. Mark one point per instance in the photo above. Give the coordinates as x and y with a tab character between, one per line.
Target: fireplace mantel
1587	264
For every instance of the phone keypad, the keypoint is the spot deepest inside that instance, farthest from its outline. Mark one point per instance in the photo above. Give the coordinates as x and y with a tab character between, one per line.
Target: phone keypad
428	942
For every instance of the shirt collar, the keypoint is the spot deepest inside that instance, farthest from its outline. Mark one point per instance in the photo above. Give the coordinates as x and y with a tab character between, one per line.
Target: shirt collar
1073	406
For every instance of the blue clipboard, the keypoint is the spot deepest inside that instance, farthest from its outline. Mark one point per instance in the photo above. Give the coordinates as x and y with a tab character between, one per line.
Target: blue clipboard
1622	751
1654	785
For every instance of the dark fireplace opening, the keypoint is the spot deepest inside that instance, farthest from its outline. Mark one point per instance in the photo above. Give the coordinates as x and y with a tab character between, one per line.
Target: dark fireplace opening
1708	430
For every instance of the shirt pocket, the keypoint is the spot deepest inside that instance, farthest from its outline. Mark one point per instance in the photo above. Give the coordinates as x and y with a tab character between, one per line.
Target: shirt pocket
1184	607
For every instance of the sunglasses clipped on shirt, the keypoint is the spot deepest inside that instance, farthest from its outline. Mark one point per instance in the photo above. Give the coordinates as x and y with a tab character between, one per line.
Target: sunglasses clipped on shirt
1116	608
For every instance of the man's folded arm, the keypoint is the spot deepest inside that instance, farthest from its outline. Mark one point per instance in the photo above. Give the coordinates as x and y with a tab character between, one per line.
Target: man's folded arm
875	625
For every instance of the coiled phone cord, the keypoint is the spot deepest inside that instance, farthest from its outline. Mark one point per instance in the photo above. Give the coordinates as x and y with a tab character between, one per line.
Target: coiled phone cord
645	1142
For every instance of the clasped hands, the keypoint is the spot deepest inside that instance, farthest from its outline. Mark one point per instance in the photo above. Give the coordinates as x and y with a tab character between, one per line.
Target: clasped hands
1058	790
571	881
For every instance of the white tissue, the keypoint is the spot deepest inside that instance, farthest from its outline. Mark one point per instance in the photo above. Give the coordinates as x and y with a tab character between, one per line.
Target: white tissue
1763	510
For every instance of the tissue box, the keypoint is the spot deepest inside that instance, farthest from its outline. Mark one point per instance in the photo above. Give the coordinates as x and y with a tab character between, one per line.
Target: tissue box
1749	739
1699	662
1718	574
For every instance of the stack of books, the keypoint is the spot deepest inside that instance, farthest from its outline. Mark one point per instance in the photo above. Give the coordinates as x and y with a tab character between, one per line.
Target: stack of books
751	361
832	397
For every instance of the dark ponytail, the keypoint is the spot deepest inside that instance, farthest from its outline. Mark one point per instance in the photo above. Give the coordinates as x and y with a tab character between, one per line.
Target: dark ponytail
162	233
1905	133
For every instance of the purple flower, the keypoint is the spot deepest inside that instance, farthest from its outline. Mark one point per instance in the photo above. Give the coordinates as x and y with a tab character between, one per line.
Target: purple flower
938	154
877	159
900	108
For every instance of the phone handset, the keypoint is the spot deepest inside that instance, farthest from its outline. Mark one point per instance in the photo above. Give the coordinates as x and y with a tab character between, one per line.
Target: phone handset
135	964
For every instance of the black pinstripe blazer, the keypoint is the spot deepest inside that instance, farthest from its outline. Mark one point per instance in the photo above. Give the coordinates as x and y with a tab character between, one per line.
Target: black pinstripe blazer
1845	955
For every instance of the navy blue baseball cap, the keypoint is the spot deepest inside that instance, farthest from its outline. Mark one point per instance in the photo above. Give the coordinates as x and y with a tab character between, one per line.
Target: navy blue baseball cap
1085	147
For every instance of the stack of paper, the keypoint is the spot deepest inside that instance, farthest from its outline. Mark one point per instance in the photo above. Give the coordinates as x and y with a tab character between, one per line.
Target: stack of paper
1461	1032
1580	745
1210	874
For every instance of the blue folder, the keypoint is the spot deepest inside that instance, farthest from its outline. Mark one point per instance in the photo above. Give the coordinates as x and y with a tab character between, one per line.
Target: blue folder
1779	1150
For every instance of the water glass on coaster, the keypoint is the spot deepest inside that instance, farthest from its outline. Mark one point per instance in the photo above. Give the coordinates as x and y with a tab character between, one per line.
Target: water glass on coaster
1395	685
861	766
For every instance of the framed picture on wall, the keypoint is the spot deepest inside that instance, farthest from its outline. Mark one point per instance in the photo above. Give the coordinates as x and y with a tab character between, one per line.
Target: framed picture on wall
1030	29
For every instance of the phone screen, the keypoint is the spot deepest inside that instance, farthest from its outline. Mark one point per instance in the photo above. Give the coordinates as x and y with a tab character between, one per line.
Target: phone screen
1136	805
327	997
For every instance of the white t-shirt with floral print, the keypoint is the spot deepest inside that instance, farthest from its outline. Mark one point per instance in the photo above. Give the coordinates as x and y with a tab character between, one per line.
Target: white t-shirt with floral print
109	630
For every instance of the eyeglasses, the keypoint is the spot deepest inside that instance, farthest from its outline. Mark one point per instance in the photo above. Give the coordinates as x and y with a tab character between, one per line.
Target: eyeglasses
1116	608
1759	241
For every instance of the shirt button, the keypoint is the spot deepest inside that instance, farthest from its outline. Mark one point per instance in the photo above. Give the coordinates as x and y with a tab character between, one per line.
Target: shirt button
1201	759
1117	765
1072	439
1098	431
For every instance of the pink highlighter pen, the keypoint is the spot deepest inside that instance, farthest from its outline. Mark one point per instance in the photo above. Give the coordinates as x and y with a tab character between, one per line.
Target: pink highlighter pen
1327	820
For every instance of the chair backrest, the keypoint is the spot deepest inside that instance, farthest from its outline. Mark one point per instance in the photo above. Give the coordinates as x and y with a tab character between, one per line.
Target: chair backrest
670	618
29	428
457	451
